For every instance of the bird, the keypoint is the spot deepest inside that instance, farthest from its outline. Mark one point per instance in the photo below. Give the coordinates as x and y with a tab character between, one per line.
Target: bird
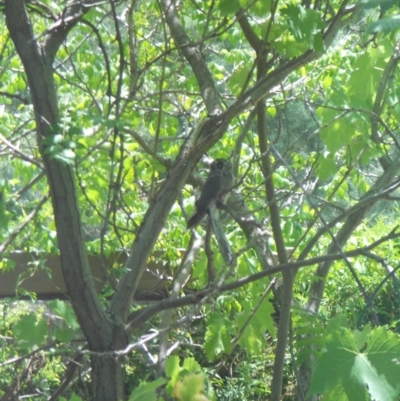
216	190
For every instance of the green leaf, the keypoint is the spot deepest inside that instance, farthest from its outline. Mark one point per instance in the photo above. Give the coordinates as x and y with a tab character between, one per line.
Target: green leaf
238	79
252	338
385	25
259	8
59	148
262	320
338	393
172	366
342	368
228	7
172	370
326	167
147	391
190	388
304	24
384	355
318	42
360	84
361	337
53	139
63	335
214	344
337	134
191	365
64	310
73	130
383	4
335	365
30	331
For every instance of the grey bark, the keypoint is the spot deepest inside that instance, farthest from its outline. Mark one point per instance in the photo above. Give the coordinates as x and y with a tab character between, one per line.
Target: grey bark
101	334
192	53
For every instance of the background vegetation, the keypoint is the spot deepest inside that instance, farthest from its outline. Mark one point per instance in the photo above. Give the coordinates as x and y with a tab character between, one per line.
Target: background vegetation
111	112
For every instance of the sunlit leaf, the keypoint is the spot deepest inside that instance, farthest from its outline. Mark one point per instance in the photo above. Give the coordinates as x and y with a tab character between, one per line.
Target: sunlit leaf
30	331
385	25
344	368
147	391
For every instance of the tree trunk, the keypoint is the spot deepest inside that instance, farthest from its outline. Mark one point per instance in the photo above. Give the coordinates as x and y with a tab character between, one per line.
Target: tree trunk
103	335
107	377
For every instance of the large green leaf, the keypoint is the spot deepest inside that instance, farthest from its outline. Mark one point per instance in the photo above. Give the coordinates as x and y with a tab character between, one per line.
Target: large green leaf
344	369
383	4
305	24
228	7
214	344
338	134
147	391
360	84
385	25
30	331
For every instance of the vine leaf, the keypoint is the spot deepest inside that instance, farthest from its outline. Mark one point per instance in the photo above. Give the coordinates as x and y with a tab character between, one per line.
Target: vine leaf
30	330
147	391
346	373
214	340
305	25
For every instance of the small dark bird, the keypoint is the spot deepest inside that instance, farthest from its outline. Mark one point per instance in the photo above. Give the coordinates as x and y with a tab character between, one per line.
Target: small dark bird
216	189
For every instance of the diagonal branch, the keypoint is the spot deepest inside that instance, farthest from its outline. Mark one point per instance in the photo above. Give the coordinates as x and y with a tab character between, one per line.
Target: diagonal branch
158	211
193	55
11	237
276	77
346	230
22	155
200	141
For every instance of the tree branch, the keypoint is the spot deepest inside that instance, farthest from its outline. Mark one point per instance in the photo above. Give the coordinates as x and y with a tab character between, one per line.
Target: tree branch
193	55
11	237
138	318
38	67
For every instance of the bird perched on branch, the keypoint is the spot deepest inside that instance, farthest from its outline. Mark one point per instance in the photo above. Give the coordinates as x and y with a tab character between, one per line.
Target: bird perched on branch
215	190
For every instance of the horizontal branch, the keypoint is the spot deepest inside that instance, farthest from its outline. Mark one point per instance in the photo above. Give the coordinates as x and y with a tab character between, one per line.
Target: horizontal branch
141	316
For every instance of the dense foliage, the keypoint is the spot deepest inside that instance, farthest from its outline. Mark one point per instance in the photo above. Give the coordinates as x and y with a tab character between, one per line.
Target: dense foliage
111	113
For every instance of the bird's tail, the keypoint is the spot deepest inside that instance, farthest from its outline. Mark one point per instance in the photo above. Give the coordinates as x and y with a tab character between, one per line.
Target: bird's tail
195	220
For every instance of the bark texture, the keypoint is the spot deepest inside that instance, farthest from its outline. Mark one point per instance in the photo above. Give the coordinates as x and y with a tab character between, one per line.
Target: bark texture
101	334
